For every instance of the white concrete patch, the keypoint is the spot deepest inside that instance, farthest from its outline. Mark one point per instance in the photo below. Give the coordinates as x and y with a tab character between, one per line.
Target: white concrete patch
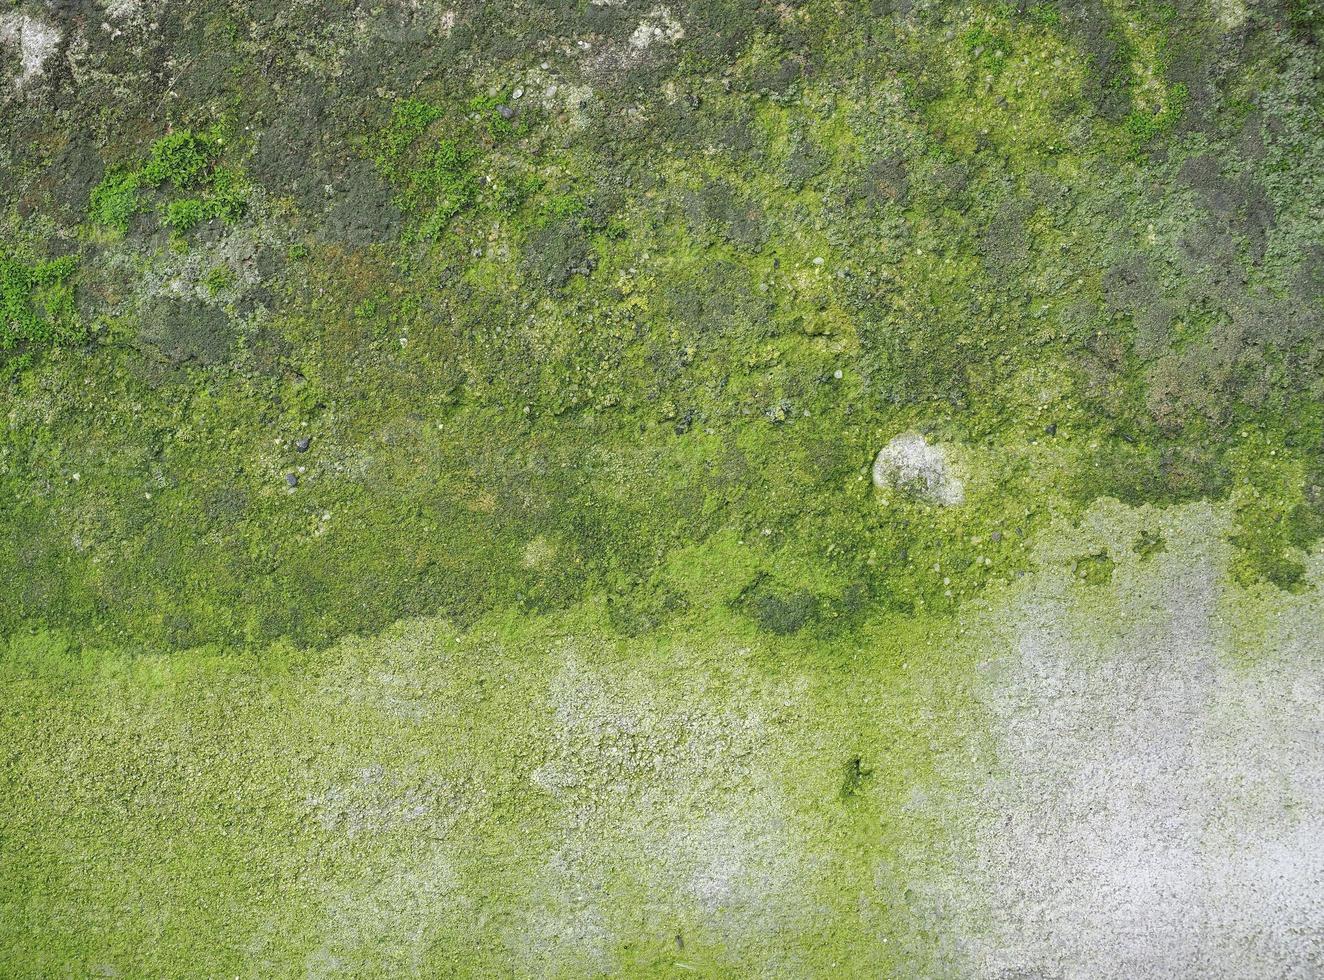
442	19
660	25
381	925
1231	14
122	9
1158	809
36	41
659	29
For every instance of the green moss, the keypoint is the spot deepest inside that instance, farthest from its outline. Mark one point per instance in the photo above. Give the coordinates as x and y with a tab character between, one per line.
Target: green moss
181	161
1149	543
1046	14
1306	17
182	158
706	796
447	161
670	294
1093	569
1272	536
219	279
436	176
226	199
855	779
442	182
114	200
1143	127
584	593
776	611
36	308
1277	503
184	214
410	119
304	806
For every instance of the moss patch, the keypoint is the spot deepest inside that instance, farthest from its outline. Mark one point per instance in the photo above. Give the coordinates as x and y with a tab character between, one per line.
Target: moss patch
36	308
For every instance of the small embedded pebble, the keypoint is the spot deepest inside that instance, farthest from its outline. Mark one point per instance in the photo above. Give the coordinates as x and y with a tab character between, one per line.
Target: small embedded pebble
302	444
909	463
505	112
291	479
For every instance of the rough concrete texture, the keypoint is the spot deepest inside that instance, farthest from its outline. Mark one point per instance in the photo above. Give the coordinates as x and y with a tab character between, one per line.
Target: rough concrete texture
1158	808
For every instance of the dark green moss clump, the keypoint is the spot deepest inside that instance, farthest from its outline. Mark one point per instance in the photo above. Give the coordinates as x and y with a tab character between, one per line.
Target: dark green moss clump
779	611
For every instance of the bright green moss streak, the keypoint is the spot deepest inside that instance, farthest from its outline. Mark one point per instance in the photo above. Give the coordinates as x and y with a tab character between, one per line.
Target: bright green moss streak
226	197
446	162
36	308
183	161
114	200
182	158
219	279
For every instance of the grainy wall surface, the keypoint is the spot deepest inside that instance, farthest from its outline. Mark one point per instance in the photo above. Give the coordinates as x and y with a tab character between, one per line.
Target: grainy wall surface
658	489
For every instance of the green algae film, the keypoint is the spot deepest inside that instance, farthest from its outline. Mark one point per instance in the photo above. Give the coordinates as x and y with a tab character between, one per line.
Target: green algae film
437	510
538	798
544	796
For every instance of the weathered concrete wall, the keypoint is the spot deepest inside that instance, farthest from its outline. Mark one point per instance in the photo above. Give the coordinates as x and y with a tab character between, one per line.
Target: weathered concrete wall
1108	779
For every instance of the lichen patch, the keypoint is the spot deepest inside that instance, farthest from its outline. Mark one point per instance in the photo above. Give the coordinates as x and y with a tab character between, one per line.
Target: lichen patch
36	41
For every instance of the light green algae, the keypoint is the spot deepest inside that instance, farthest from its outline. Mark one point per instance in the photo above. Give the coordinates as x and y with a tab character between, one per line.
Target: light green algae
540	796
